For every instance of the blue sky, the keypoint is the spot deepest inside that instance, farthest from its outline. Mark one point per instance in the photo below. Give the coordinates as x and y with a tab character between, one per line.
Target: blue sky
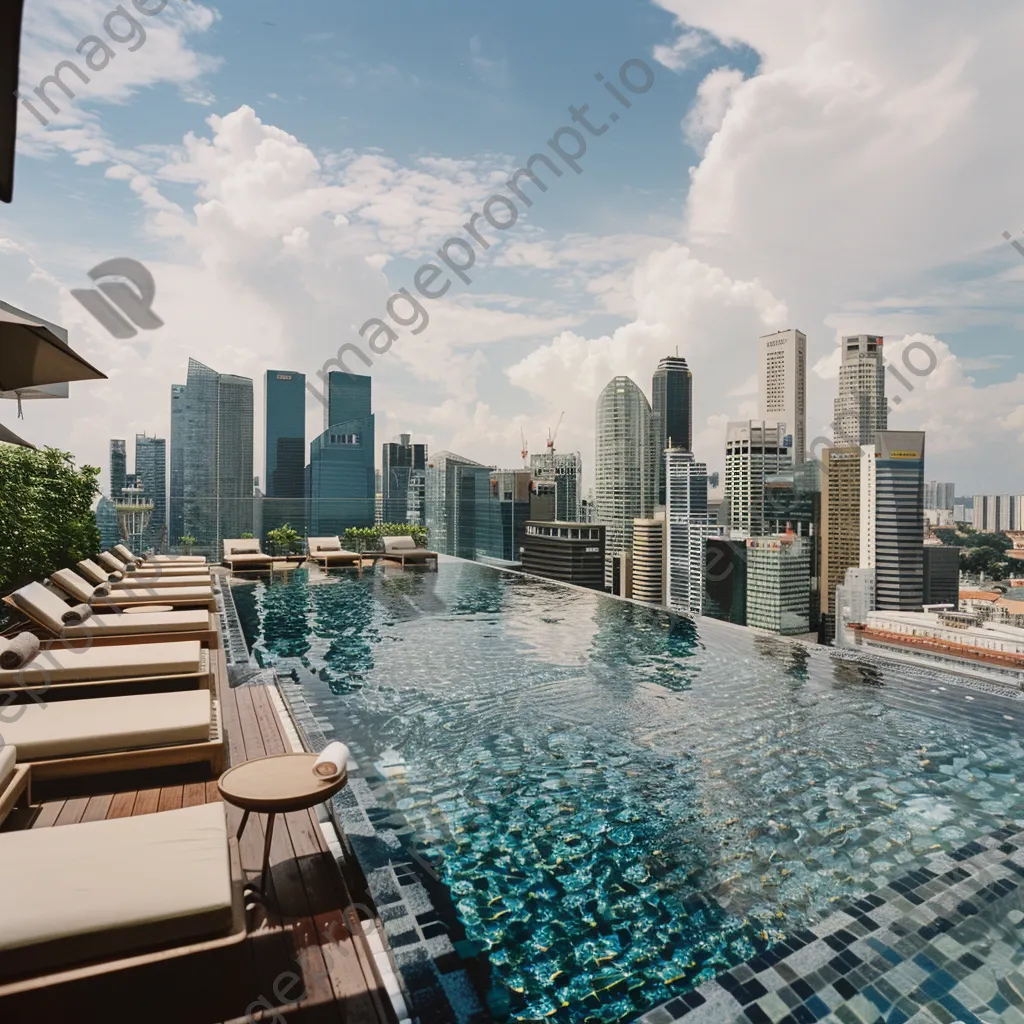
282	169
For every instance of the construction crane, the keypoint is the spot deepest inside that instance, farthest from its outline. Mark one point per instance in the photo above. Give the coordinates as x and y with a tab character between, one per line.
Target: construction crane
524	452
552	436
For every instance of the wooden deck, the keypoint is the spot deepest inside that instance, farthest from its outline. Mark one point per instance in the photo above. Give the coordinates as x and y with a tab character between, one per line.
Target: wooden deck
313	928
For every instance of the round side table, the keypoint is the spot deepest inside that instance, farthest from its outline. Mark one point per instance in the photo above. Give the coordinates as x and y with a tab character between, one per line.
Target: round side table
276	785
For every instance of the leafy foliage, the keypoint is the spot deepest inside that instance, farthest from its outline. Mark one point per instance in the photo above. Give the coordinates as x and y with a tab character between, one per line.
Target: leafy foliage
366	538
187	542
998	541
46	517
986	553
245	536
282	540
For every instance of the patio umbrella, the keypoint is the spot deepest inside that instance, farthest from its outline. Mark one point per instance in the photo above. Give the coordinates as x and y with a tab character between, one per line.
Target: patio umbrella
9	437
31	354
10	45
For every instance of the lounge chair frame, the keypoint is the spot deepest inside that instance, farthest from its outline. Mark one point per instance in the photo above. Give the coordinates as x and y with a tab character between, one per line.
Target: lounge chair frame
208	636
111	600
18	785
213	969
330	559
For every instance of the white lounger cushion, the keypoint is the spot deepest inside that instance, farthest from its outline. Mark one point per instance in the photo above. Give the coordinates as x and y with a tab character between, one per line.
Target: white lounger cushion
8	755
161	581
110	888
112	562
181	559
118	661
154	594
100	724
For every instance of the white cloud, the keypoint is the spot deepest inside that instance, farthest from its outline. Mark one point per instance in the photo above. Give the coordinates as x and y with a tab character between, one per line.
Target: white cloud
709	109
685	51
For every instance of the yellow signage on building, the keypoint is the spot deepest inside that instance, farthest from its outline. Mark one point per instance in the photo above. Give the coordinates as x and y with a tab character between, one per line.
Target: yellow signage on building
904	455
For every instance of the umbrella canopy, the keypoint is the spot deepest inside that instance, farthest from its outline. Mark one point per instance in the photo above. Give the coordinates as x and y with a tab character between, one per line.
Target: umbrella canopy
9	437
10	45
31	354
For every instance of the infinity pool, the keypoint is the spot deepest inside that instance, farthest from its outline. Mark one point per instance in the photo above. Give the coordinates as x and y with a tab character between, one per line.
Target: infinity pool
622	805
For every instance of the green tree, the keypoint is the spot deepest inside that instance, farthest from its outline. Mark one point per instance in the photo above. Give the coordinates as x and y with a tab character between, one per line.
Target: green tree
187	542
46	517
282	540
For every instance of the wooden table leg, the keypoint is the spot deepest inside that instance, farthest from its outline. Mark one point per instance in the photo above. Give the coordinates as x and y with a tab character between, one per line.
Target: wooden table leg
241	828
266	852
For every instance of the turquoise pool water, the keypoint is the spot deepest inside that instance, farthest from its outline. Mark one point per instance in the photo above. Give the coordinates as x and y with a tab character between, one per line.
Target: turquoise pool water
621	804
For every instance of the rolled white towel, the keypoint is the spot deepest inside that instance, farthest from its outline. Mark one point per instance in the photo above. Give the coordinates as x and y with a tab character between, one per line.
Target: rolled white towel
332	761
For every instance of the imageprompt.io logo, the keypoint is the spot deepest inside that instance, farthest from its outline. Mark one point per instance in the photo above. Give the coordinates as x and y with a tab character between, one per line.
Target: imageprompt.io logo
119	306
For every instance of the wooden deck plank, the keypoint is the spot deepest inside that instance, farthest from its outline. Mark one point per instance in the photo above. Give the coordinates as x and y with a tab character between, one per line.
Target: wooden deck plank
170	798
193	794
121	806
72	811
98	807
146	802
48	813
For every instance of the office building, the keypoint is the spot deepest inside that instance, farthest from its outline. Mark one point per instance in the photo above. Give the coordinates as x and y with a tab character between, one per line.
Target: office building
671	411
649	560
860	409
543	502
754	450
118	467
567	473
176	484
941	575
501	519
570	552
939	495
284	422
402	478
963	512
454	488
151	475
725	580
626	465
341	459
778	584
998	513
782	387
217	457
106	523
689	526
840	525
855	597
892	518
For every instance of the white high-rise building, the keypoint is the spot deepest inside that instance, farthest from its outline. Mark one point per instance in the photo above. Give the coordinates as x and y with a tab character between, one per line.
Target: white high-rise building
626	468
754	449
782	386
860	409
689	526
855	597
938	494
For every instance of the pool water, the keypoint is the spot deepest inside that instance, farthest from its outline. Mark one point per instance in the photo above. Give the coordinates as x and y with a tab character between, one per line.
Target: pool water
622	804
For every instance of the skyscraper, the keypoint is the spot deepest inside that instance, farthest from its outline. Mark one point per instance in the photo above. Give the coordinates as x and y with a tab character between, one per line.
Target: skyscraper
782	386
402	477
649	559
567	473
754	449
892	518
626	465
672	411
118	466
689	526
778	590
455	487
217	458
342	481
151	474
860	409
176	490
938	494
284	486
840	523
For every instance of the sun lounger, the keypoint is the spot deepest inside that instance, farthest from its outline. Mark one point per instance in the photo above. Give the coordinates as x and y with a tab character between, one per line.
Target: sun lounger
15	781
95	573
404	550
142	593
127	733
45	608
327	551
57	673
114	564
133	918
128	556
242	555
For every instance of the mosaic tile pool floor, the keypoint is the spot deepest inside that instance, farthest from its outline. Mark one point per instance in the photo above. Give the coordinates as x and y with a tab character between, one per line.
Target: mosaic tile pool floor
621	808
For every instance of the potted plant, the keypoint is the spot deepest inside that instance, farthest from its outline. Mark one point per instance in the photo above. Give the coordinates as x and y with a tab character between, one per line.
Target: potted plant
282	540
186	542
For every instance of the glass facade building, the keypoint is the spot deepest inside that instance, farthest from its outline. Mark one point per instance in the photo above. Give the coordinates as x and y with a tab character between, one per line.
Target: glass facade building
176	484
454	487
151	475
402	480
626	468
566	471
118	467
778	584
217	457
284	486
672	411
343	484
